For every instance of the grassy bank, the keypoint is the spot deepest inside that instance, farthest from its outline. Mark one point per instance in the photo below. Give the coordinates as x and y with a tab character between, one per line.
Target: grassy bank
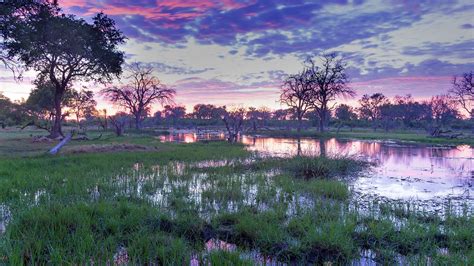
402	136
163	205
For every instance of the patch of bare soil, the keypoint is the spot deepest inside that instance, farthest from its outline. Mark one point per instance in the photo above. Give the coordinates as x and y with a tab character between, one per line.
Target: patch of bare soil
96	148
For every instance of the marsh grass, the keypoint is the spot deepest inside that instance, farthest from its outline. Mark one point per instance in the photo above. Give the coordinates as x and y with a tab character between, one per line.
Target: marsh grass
162	206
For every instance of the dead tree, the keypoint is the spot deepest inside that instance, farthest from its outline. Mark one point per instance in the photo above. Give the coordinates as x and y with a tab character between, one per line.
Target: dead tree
463	92
296	94
140	93
234	121
119	121
328	81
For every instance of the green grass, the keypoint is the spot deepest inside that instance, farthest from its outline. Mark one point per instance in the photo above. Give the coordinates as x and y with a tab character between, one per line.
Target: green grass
162	207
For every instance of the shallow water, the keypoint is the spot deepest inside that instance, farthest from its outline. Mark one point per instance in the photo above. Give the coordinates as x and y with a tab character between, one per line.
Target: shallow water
401	171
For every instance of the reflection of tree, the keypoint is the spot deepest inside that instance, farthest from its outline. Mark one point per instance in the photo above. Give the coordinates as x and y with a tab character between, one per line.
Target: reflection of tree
322	148
298	147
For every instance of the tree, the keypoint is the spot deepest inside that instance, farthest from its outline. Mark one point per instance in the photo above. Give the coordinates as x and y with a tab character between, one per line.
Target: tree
345	115
5	109
280	114
257	117
327	80
41	104
63	49
173	113
82	104
119	121
140	93
296	93
234	121
370	107
444	109
463	91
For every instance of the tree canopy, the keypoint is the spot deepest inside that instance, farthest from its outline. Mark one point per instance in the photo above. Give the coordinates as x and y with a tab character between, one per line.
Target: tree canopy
62	48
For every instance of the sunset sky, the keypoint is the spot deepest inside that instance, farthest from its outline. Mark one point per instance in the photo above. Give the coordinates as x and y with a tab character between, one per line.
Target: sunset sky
237	51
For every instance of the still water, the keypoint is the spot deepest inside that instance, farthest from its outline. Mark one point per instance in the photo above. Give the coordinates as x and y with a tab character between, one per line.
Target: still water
401	171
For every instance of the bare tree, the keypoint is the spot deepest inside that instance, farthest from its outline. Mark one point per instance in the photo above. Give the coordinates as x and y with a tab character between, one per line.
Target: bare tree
143	90
328	81
119	121
463	92
234	120
296	94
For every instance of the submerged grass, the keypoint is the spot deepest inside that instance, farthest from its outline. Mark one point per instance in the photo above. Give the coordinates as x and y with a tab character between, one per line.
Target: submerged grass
163	205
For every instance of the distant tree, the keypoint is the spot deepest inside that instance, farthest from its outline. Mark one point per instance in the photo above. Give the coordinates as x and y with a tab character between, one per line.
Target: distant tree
82	104
5	109
463	91
410	112
370	107
157	117
143	90
280	114
119	121
257	117
296	93
63	49
203	111
207	111
389	115
444	109
328	80
174	113
345	116
234	121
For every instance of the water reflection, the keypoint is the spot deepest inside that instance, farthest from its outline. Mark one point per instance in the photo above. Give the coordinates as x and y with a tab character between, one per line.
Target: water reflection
402	171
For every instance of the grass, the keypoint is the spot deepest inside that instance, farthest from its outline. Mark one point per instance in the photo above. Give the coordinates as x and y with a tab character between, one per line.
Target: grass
162	205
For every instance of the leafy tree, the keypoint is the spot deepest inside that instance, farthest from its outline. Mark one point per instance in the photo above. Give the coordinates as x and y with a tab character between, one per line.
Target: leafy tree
207	111
345	116
82	104
41	106
62	49
140	93
5	109
280	114
257	117
370	107
173	113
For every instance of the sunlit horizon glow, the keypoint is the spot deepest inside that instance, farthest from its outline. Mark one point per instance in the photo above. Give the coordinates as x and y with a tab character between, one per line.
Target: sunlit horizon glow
235	52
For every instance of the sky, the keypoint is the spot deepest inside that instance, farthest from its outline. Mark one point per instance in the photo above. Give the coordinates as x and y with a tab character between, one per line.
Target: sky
236	52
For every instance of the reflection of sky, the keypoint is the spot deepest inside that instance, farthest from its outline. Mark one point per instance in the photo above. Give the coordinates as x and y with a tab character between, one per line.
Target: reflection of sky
401	171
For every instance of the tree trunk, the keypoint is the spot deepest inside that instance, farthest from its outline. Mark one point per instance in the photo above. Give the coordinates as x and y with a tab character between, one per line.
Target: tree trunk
56	131
137	122
300	122
321	124
56	149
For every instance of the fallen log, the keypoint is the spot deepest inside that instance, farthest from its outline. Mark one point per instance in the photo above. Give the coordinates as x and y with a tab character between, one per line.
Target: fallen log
56	149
